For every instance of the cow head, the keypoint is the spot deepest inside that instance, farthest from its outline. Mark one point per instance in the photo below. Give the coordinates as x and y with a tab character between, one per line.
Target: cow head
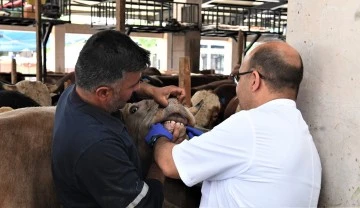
138	117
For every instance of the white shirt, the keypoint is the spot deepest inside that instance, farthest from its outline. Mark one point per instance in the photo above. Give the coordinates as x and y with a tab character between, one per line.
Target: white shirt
264	157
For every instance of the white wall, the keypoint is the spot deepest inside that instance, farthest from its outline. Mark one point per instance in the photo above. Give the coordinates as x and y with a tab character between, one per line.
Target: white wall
327	34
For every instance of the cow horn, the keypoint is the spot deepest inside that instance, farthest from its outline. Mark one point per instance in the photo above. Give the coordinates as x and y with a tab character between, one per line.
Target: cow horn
195	109
9	87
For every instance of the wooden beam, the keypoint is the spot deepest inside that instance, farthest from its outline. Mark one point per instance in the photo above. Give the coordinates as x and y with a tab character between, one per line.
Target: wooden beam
241	46
16	28
185	78
77	28
39	75
13	71
120	15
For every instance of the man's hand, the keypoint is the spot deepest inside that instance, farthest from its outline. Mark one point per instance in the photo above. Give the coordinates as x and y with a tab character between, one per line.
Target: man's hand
179	133
157	130
161	95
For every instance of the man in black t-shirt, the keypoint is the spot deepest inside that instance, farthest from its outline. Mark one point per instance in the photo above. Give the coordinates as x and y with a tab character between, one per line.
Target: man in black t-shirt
94	160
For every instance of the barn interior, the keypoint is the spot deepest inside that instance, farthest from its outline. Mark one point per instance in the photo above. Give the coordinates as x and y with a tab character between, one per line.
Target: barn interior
196	44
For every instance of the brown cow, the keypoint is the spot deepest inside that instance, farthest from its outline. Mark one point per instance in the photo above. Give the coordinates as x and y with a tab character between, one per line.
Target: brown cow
5	109
232	107
35	90
140	116
25	144
25	153
208	111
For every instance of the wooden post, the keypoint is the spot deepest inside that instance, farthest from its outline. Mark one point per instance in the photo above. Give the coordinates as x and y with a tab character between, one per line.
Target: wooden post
39	74
13	71
185	78
120	15
241	46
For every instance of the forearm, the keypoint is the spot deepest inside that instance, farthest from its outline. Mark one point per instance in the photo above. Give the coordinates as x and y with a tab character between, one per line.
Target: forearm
145	90
163	157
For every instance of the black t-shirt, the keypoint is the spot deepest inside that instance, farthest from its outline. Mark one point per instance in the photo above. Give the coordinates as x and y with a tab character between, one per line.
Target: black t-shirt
95	162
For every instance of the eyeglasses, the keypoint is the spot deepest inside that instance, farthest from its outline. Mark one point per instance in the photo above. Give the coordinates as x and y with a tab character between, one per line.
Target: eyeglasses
236	76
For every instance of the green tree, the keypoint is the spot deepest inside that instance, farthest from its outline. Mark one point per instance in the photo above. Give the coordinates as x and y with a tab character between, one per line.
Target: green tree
147	43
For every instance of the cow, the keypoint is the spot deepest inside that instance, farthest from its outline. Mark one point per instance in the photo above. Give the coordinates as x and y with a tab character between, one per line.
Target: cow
25	153
25	149
225	92
196	80
60	85
15	99
5	109
6	77
151	71
211	85
232	107
35	90
141	115
208	107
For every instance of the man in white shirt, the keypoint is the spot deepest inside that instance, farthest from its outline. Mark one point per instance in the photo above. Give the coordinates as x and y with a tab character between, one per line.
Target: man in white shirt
262	156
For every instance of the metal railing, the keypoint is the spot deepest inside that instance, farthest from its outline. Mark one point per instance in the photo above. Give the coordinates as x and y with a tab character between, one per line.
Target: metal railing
18	9
220	17
148	14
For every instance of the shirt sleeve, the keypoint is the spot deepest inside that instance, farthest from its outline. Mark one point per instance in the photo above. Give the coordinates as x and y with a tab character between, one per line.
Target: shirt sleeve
106	172
221	153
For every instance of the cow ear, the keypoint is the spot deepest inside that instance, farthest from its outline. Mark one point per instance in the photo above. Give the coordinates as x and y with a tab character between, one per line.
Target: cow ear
10	87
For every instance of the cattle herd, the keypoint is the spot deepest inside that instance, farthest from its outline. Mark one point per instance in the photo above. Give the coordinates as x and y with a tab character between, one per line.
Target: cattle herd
26	121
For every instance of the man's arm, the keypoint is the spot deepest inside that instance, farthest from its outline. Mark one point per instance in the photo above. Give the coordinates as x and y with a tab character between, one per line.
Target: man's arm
163	142
163	157
161	94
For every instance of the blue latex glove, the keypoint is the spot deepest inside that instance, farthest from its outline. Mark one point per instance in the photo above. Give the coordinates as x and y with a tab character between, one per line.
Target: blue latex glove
191	132
157	130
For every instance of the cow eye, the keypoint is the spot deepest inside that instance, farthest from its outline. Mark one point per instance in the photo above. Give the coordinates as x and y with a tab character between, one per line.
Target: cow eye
133	109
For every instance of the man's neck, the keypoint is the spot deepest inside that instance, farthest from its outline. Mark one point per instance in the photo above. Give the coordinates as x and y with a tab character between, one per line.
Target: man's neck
89	98
290	94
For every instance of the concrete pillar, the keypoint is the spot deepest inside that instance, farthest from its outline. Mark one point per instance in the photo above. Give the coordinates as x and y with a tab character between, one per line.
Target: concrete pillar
169	50
183	44
327	35
58	47
163	47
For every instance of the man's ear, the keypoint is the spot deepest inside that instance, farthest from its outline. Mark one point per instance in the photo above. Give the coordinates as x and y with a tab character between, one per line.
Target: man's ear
103	92
255	81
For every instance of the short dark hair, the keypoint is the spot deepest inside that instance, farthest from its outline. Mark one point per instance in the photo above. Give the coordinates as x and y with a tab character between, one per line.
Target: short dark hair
276	70
104	58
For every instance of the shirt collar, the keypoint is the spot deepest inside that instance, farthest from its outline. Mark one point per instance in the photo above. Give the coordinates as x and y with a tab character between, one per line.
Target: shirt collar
282	101
100	114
